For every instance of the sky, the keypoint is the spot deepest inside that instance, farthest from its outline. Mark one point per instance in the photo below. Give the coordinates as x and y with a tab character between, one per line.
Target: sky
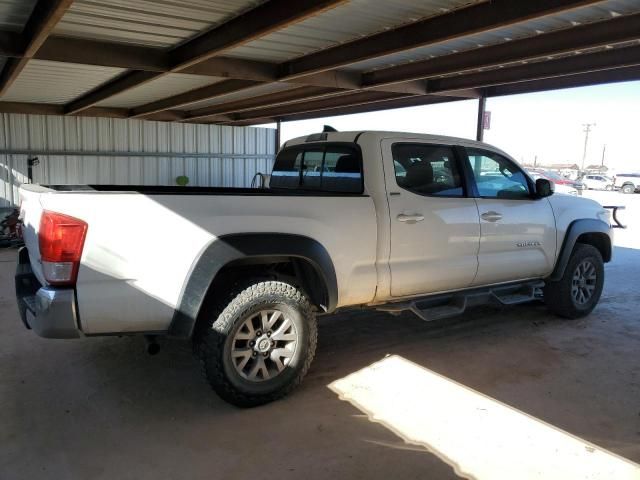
548	125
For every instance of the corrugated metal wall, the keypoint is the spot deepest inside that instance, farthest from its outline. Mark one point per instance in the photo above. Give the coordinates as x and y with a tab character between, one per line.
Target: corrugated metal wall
223	156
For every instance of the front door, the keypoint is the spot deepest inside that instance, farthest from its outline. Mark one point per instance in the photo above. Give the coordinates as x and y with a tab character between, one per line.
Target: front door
435	231
518	237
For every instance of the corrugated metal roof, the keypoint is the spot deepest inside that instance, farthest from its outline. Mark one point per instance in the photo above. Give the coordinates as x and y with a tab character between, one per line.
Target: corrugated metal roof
53	82
594	13
349	21
159	23
246	93
14	13
163	87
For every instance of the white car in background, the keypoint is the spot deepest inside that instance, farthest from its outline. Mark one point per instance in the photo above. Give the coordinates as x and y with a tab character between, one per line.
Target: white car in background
627	182
558	188
597	182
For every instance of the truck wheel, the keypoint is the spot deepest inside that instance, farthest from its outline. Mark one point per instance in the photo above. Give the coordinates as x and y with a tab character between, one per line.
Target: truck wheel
260	345
628	188
577	293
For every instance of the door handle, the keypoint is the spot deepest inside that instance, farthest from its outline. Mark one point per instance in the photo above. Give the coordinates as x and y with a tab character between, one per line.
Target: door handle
412	218
491	216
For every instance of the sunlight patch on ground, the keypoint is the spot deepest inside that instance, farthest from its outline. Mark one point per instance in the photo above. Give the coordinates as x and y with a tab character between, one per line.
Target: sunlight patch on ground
478	436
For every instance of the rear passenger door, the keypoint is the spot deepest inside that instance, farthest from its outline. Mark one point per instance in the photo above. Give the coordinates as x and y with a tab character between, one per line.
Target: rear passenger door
517	230
435	230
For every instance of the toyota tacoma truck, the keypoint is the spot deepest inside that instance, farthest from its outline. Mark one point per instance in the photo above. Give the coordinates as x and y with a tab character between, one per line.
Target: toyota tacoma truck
388	221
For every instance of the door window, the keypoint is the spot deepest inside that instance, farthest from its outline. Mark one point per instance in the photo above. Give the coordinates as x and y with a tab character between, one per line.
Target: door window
497	176
427	169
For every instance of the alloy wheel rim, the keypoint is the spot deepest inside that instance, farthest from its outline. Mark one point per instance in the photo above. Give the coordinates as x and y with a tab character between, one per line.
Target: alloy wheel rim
264	345
583	284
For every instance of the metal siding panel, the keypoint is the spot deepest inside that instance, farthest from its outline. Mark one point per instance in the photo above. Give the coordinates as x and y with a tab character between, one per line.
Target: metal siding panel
94	135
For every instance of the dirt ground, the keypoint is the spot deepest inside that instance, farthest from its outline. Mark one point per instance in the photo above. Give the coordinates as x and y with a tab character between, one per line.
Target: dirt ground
101	408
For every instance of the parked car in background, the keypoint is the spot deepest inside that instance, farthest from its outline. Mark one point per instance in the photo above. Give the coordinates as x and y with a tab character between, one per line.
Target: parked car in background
558	187
627	182
558	179
597	182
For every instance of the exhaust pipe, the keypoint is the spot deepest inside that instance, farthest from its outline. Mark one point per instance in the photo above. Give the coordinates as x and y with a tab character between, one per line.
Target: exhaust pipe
153	347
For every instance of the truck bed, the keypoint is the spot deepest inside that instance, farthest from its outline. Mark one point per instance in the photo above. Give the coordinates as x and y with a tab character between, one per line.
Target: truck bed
177	190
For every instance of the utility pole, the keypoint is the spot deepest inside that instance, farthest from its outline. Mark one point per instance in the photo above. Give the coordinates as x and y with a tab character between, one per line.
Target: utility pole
482	103
587	129
535	161
604	149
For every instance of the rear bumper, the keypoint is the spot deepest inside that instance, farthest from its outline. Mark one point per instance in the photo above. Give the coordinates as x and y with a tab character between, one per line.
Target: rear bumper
50	312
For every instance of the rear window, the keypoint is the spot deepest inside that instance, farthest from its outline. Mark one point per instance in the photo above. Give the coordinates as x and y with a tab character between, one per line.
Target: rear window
322	168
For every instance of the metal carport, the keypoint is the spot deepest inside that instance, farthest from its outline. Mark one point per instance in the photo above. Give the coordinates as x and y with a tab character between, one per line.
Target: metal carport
246	62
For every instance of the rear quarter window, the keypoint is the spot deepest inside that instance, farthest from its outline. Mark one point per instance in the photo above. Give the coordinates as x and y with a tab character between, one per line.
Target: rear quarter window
330	168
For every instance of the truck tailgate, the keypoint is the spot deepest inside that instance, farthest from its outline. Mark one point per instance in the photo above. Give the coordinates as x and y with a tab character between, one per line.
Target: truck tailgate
30	213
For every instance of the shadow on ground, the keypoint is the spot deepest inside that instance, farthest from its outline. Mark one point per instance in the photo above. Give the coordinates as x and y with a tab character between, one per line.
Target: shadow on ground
101	408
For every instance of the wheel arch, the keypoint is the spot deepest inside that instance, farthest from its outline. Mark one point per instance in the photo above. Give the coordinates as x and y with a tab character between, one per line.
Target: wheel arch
311	264
586	230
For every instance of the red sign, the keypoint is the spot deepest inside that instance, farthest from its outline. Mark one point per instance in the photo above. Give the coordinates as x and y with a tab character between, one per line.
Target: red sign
486	121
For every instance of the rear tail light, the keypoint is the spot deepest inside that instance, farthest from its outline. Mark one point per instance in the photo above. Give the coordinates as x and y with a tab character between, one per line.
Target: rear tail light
61	241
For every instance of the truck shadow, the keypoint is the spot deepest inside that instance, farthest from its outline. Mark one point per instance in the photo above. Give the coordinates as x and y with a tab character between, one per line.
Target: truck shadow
106	393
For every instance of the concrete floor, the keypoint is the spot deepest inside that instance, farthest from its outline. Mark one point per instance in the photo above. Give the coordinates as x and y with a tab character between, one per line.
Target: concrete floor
101	408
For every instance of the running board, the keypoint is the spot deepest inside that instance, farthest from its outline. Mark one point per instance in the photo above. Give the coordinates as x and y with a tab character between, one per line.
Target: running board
438	307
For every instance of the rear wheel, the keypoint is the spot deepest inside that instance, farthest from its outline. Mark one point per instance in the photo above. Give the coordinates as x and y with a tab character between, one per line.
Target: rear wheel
628	188
577	293
608	188
258	348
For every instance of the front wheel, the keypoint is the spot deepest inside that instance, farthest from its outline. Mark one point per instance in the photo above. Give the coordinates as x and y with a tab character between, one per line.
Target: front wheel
577	293
259	346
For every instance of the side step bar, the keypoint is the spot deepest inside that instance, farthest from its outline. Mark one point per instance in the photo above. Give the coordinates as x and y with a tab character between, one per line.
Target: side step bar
438	307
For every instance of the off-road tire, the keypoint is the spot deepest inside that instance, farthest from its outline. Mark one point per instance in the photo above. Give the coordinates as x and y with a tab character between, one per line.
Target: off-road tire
558	295
219	324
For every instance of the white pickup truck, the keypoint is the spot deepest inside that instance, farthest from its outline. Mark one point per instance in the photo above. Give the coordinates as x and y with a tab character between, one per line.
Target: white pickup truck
390	221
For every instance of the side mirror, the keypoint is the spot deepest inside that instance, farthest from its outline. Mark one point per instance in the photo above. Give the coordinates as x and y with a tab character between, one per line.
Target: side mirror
544	188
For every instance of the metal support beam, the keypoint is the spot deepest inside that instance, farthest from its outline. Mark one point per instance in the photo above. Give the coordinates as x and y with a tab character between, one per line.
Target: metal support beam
482	103
320	104
608	32
263	19
46	14
627	74
279	135
591	62
459	23
261	101
266	18
192	96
